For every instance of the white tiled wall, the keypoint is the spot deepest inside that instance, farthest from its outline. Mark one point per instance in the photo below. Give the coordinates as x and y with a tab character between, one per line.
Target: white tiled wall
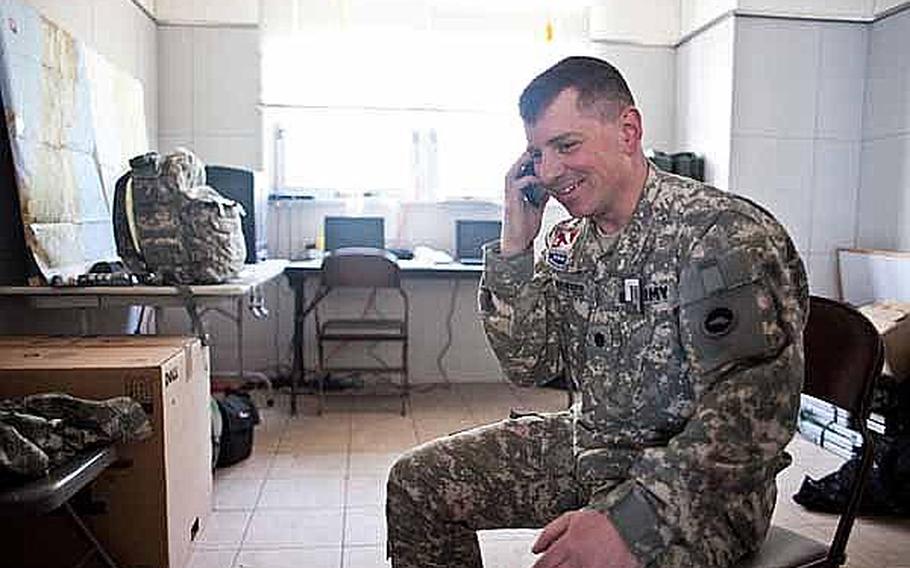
884	5
646	21
796	135
694	14
813	8
651	75
209	78
884	198
704	99
208	11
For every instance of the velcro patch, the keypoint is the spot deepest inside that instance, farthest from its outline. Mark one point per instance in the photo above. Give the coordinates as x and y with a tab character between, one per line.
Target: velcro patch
565	237
558	258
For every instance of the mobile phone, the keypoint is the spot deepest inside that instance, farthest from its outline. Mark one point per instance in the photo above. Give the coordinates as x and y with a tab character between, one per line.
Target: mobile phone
534	192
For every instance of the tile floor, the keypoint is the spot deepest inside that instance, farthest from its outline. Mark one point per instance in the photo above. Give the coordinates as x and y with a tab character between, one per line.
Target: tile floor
312	493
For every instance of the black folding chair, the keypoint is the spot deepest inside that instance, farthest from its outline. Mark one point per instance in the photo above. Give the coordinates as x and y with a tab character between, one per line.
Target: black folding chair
844	357
365	268
54	491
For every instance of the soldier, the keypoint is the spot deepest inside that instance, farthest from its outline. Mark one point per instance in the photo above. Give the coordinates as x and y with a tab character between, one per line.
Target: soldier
674	310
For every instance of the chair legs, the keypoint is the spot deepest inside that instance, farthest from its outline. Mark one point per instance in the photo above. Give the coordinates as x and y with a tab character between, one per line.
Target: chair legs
405	386
97	548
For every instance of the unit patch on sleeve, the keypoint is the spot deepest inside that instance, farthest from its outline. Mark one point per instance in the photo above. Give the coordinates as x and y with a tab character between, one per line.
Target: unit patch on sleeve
560	249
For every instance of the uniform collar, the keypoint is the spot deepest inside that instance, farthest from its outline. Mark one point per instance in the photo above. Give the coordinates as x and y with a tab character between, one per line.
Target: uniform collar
631	240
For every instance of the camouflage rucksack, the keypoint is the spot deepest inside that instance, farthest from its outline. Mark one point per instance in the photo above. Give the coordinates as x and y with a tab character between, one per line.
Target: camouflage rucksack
172	227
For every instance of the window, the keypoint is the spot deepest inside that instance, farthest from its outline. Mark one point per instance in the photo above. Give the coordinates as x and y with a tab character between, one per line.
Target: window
418	108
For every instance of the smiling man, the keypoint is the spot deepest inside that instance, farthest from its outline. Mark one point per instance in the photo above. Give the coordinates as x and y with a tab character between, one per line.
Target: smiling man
674	310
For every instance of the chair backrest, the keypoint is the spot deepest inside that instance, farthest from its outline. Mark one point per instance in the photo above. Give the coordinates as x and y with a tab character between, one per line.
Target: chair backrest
844	355
844	358
360	267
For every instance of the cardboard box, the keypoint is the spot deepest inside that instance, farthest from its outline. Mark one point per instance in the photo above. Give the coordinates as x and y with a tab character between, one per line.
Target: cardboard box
892	320
159	502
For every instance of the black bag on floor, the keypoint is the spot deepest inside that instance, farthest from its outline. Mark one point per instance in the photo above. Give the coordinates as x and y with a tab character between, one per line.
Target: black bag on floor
238	417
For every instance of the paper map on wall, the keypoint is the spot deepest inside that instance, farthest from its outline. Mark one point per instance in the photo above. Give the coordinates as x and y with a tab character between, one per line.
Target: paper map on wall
74	122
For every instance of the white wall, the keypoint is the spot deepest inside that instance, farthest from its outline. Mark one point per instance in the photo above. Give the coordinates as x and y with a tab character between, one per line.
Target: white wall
209	92
208	11
884	200
704	99
881	6
846	9
650	72
797	116
645	21
694	14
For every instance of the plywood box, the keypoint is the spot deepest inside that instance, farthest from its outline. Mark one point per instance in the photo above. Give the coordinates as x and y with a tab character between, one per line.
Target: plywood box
892	320
158	503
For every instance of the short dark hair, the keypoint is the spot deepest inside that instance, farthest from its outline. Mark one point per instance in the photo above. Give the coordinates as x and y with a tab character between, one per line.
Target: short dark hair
598	83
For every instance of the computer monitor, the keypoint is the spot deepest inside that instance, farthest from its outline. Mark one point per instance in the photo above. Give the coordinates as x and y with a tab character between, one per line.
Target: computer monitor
247	188
470	235
341	232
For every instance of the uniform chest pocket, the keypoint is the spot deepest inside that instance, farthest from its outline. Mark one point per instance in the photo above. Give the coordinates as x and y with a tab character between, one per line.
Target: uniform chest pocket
573	295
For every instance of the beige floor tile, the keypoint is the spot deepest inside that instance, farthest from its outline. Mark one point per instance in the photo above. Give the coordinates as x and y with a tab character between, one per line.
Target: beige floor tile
291	465
223	528
311	492
371	463
433	428
254	467
305	422
347	448
316	438
364	526
366	557
212	558
294	528
290	558
364	491
382	439
236	493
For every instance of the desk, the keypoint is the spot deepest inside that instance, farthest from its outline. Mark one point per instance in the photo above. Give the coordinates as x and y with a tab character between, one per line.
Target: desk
242	290
298	271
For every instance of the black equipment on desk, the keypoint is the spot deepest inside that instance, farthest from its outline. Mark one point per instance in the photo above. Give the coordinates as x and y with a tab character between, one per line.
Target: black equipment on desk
345	232
244	187
471	235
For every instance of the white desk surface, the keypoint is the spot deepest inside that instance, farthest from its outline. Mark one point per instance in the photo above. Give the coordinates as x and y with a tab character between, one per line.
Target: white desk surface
408	268
251	276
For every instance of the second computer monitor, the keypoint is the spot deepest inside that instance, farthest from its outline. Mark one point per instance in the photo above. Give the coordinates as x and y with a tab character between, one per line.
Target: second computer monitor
470	236
342	232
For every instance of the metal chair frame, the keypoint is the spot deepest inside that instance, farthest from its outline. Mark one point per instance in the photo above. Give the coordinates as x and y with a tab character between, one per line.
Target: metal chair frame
844	358
364	268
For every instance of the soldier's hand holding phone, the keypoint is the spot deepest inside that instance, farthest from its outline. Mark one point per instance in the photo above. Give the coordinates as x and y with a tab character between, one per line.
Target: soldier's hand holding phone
524	201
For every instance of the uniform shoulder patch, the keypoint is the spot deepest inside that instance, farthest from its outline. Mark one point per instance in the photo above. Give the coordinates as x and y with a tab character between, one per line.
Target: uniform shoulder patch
559	244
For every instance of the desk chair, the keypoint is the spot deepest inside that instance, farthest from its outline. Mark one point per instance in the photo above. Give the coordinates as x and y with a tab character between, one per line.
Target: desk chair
365	268
844	356
55	490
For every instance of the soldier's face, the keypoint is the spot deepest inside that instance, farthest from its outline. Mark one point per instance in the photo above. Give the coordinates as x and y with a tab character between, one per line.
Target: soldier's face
581	158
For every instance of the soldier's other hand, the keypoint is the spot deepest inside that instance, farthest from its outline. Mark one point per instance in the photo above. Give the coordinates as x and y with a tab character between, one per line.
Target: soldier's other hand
521	220
582	539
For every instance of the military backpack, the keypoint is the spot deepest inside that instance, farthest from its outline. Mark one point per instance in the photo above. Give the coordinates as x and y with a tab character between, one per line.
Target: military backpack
172	228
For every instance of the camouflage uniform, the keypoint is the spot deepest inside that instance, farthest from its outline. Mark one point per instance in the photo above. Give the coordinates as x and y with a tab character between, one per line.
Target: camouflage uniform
682	339
41	431
173	225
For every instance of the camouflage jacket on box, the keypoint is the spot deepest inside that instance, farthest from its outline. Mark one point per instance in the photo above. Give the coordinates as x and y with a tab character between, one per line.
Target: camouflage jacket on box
683	344
42	431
